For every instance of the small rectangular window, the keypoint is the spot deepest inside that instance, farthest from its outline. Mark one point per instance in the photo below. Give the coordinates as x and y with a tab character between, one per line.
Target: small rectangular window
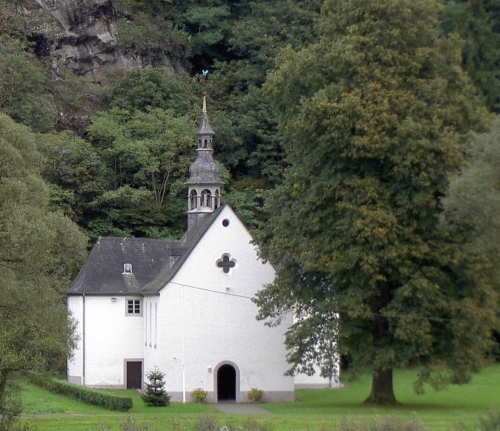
134	307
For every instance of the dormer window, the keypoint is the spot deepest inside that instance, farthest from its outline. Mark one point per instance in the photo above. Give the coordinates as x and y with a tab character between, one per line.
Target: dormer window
127	268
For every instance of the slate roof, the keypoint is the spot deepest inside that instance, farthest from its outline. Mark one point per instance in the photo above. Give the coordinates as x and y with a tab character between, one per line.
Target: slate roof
204	127
204	170
189	242
154	263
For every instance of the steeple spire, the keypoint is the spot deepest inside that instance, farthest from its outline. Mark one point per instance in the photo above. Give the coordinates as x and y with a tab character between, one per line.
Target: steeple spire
205	131
204	175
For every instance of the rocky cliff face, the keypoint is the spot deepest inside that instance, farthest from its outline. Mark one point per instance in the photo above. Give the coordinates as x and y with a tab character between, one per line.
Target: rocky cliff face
79	35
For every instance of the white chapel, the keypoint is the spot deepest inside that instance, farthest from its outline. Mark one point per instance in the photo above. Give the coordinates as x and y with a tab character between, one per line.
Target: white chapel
182	306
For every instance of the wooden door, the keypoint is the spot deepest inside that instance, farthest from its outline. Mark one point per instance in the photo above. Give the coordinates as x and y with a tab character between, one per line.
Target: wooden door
134	375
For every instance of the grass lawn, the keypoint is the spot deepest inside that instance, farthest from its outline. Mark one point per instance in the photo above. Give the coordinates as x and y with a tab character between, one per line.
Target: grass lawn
313	409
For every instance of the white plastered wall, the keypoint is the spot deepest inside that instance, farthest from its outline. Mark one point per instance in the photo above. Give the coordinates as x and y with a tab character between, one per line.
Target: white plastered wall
209	319
303	381
202	319
75	363
107	338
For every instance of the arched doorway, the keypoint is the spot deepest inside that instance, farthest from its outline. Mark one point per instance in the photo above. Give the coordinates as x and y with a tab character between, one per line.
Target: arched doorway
226	383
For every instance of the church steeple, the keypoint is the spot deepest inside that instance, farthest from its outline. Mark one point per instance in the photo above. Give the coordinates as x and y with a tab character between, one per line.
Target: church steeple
205	132
204	175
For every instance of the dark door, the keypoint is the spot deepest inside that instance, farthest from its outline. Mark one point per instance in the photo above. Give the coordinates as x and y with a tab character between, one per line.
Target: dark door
134	375
226	383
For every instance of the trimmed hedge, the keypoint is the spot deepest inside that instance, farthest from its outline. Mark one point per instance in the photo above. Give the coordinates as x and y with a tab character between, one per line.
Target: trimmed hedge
82	394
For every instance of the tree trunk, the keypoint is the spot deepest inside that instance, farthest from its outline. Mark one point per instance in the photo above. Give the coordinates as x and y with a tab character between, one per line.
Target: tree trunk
3	386
382	392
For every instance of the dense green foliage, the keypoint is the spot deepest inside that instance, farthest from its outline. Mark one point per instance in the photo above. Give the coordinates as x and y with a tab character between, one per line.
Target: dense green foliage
238	43
472	202
82	394
146	156
24	88
373	117
478	24
144	89
126	178
40	252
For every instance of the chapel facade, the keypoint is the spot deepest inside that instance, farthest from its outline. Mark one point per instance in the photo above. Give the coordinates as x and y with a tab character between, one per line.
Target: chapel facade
183	306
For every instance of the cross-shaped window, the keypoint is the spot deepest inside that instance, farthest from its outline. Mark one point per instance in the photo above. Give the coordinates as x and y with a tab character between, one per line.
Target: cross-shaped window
225	263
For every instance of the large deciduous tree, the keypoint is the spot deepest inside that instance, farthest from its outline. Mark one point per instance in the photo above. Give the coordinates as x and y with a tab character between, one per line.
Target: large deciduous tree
147	156
373	117
40	252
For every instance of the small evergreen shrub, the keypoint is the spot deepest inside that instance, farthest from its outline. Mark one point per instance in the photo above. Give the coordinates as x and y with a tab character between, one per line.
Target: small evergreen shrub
155	394
199	395
255	395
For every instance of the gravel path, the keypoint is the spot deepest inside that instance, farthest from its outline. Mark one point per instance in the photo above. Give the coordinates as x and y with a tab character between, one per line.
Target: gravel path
240	408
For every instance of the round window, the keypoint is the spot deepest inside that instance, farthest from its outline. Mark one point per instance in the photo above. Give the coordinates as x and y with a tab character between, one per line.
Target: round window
225	222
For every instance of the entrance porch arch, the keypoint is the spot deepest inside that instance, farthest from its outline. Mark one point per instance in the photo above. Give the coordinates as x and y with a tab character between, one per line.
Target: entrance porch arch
227	377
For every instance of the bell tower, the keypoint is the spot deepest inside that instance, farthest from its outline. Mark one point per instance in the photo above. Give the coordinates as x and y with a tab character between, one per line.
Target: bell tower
204	175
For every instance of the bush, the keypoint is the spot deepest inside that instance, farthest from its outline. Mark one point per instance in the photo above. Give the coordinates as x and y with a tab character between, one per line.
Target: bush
83	394
128	424
389	423
207	422
490	423
155	394
255	395
199	395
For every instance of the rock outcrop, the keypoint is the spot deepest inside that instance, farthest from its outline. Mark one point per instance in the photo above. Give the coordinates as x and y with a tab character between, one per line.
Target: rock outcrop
79	35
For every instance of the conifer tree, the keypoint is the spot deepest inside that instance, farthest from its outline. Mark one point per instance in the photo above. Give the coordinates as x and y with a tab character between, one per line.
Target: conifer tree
373	117
155	394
